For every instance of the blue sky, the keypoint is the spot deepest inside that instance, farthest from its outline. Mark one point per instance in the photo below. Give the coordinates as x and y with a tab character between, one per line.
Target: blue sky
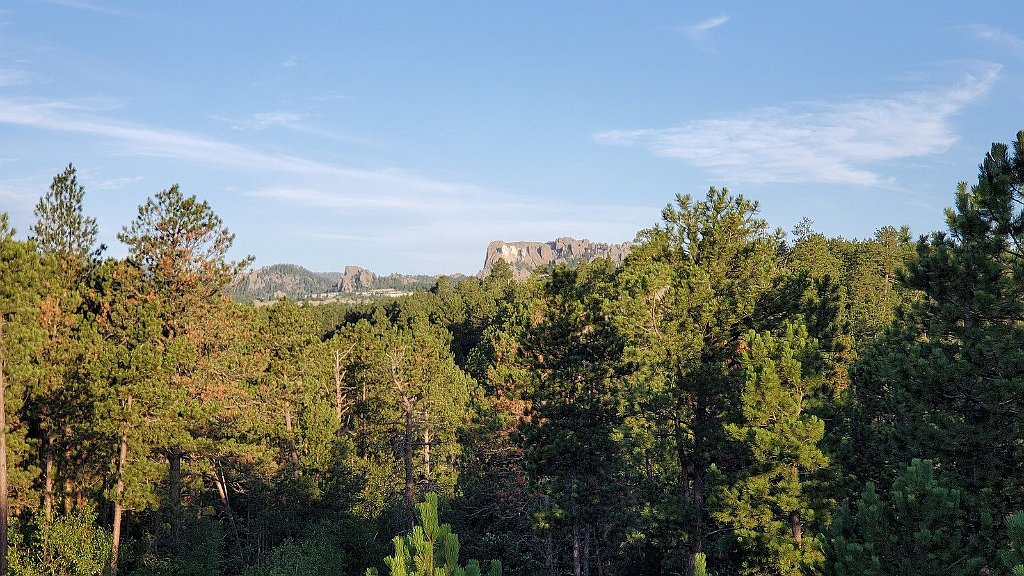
404	136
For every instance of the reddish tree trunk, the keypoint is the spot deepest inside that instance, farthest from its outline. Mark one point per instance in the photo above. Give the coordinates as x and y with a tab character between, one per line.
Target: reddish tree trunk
122	460
49	471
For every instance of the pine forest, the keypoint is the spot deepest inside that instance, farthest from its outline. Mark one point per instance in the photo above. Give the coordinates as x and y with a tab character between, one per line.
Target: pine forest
731	399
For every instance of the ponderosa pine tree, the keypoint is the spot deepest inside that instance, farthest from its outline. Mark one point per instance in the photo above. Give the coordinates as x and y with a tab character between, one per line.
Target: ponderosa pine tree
690	291
492	454
20	339
573	416
178	248
945	383
66	238
413	400
289	339
129	404
766	500
62	230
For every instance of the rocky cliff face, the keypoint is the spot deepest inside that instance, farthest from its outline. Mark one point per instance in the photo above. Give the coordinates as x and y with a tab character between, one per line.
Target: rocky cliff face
525	257
355	278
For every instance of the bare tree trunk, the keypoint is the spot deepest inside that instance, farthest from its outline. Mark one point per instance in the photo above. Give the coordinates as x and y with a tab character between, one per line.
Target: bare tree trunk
122	460
69	485
222	492
577	569
702	425
407	451
3	462
66	497
361	425
574	511
50	471
698	509
549	552
426	453
340	395
292	450
685	463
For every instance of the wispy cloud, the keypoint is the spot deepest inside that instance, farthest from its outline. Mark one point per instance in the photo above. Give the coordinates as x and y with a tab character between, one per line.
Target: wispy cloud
86	6
999	36
823	142
291	62
700	30
294	121
135	139
453	217
261	120
115	183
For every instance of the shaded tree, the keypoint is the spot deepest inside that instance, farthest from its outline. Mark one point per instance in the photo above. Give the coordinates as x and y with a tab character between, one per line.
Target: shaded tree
19	342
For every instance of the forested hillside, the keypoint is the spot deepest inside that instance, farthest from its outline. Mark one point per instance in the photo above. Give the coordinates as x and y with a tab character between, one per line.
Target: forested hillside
728	400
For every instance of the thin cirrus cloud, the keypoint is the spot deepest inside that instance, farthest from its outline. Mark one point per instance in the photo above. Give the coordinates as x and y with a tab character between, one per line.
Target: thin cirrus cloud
294	121
699	31
999	36
135	139
86	6
292	180
310	183
825	142
261	120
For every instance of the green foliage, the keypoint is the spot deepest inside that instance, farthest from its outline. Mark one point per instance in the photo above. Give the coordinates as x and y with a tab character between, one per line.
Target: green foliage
573	415
314	554
689	292
204	556
710	401
68	545
1012	556
62	230
917	527
431	549
945	382
766	501
700	565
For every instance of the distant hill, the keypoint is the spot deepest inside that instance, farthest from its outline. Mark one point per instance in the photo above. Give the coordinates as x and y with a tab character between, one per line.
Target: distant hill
278	280
297	283
525	257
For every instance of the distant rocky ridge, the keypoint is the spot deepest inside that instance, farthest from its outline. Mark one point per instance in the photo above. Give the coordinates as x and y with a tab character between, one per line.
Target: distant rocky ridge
295	282
525	257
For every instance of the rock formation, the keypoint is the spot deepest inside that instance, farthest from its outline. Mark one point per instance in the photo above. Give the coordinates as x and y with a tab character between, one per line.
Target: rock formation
355	278
525	257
